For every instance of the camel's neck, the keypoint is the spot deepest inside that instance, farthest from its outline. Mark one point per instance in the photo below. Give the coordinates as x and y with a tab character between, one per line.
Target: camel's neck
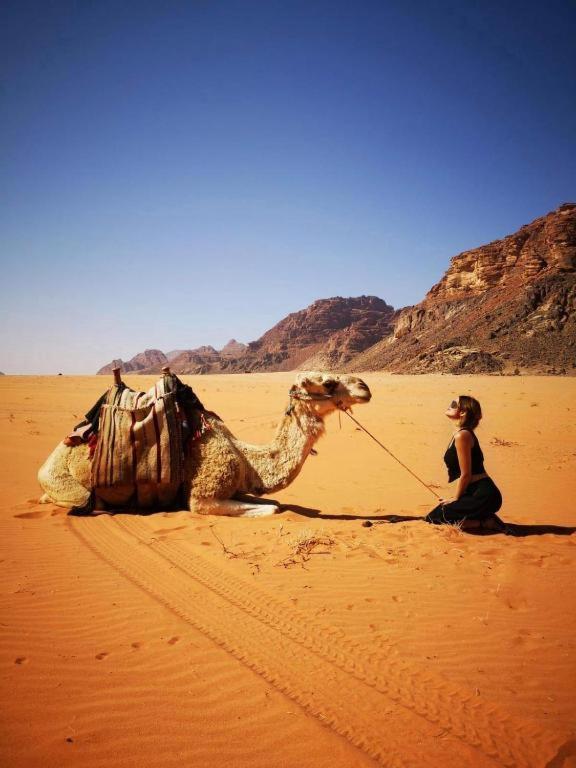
274	466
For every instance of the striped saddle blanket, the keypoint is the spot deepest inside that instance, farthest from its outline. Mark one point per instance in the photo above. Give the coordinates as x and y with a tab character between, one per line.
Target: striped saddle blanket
140	439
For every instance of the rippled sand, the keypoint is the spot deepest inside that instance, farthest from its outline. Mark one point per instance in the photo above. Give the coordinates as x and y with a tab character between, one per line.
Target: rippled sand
304	639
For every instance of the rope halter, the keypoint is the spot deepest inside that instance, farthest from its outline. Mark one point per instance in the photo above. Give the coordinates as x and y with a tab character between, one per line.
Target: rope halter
295	394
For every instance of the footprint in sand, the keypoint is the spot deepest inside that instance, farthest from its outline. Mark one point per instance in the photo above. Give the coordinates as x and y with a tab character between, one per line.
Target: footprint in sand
513	600
137	645
27	505
102	655
173	640
516	604
525	639
33	515
166	531
21	660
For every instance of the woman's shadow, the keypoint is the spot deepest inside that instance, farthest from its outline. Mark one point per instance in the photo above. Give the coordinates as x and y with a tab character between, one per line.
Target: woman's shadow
509	529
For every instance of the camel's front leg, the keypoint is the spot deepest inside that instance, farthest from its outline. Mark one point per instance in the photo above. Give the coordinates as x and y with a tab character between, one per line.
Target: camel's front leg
232	508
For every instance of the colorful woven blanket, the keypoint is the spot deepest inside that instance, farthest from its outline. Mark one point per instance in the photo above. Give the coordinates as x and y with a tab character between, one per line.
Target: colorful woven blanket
140	438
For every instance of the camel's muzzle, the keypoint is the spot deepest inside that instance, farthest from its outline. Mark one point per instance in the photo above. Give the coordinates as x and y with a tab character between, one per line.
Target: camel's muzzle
361	394
364	395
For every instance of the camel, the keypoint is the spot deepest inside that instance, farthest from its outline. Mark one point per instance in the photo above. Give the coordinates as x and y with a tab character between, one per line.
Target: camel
220	470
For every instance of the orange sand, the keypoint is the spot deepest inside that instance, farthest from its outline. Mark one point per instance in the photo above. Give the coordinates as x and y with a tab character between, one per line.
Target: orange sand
177	640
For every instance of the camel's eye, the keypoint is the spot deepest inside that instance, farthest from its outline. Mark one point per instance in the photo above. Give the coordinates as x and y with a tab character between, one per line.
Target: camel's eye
331	385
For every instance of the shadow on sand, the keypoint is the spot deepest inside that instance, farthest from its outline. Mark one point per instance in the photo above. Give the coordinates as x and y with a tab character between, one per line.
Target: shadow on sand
510	529
317	513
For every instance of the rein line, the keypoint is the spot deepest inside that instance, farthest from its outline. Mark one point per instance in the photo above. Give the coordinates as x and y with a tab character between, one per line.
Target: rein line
320	396
390	452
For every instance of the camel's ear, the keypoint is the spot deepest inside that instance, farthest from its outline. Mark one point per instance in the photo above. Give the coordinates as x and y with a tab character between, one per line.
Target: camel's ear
331	385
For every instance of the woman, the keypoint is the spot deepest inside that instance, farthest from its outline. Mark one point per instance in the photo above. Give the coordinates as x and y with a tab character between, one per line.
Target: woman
477	499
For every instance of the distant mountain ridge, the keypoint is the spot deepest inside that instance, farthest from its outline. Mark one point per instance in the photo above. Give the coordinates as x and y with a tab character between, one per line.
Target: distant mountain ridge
179	360
507	305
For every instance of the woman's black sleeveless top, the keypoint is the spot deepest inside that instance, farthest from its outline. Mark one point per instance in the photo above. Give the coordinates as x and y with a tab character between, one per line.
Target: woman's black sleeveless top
451	459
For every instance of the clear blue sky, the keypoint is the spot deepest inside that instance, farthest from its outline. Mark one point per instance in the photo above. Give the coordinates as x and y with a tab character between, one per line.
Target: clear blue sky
177	173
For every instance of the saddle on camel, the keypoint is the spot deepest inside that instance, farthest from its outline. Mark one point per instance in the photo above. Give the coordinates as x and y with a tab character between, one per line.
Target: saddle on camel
138	440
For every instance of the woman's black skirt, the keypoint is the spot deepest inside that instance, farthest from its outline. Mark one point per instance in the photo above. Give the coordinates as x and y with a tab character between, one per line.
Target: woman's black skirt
479	501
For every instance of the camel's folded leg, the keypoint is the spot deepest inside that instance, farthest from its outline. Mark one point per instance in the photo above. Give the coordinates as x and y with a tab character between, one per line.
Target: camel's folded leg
232	507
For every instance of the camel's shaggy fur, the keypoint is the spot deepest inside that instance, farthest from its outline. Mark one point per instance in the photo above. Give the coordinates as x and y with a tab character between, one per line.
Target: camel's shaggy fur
221	469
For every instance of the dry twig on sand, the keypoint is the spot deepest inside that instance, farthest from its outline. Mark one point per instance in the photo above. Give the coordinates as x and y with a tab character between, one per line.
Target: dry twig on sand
250	557
502	443
304	545
229	552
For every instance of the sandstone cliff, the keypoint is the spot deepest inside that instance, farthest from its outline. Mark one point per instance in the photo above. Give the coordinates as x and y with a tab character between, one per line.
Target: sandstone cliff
504	306
197	360
151	358
233	349
327	334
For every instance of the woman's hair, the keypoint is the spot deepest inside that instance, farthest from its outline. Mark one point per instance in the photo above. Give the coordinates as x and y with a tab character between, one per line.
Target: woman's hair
470	411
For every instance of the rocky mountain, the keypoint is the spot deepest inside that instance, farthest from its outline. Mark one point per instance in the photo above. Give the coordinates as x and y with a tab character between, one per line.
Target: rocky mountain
200	360
233	349
143	361
327	334
507	305
174	353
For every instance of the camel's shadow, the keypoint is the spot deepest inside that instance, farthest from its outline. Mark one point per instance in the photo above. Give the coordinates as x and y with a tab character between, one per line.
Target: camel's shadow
317	513
511	529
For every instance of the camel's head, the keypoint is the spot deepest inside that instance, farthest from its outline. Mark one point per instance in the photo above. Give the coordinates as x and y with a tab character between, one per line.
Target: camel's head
328	391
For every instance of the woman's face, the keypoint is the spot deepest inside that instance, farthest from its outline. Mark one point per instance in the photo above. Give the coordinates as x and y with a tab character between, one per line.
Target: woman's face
453	411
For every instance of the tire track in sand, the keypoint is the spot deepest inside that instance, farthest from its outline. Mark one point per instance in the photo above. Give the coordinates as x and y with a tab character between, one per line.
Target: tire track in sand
356	690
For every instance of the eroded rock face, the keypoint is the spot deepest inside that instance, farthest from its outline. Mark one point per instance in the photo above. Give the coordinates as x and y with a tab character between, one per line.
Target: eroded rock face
326	335
510	304
193	359
150	358
545	246
233	349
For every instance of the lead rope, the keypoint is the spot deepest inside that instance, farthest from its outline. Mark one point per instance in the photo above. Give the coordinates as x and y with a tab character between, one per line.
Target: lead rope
389	452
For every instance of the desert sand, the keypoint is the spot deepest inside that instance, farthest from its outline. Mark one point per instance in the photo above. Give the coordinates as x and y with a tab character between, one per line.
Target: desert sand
302	640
